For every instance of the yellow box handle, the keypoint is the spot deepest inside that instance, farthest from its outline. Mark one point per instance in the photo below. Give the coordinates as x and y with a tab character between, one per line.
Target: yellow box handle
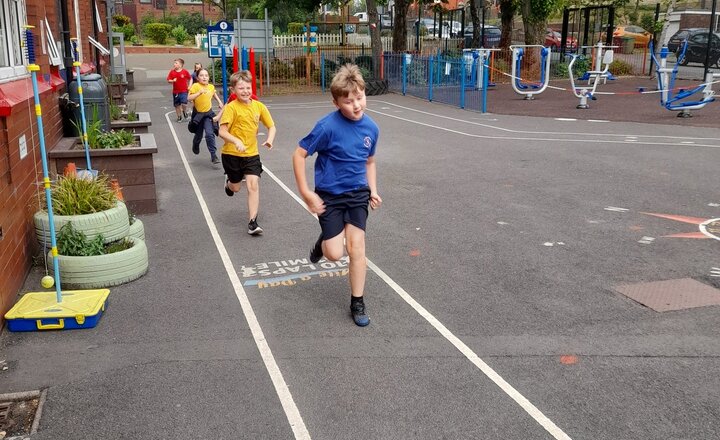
59	325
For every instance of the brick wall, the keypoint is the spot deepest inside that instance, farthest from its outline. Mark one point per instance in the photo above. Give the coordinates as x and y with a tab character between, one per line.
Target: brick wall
19	177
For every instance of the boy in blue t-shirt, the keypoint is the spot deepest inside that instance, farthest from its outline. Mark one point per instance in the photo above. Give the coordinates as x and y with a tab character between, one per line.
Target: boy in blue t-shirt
345	180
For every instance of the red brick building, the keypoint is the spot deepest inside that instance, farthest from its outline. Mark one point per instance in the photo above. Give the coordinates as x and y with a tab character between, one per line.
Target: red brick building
137	9
20	158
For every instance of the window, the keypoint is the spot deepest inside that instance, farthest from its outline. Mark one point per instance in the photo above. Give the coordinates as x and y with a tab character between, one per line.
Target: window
12	20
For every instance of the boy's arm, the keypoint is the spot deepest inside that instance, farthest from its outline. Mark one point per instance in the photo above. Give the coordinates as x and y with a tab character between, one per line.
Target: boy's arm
313	201
219	101
230	139
270	137
371	170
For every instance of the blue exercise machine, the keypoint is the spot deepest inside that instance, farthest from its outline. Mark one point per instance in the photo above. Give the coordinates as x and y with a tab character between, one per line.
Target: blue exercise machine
530	88
666	84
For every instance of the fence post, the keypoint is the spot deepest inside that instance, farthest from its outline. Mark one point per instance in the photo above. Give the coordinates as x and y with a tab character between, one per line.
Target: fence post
322	72
432	74
485	82
404	73
462	82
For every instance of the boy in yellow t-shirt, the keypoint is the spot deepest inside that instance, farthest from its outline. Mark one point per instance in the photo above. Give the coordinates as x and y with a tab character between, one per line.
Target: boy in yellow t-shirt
201	94
240	157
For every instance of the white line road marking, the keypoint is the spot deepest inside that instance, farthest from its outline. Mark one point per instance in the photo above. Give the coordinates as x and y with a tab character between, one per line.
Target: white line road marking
646	240
286	400
616	209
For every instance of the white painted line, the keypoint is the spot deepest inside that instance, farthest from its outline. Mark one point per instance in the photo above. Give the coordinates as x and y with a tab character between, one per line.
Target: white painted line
525	404
566	119
286	400
714	204
646	240
616	209
597	120
585	135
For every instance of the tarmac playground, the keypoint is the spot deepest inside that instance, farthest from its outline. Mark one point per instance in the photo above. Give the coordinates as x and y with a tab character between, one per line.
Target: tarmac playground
528	278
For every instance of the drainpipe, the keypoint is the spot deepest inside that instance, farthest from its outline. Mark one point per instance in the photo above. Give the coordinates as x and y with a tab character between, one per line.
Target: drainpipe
65	32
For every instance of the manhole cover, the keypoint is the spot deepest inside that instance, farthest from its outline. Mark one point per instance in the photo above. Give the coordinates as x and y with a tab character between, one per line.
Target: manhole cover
662	296
17	413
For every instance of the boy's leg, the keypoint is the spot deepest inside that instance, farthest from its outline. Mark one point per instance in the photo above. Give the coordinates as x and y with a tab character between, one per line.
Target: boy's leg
252	183
197	137
355	243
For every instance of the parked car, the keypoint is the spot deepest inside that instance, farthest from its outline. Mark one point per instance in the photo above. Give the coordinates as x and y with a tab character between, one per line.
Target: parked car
641	36
553	41
362	16
697	39
492	35
433	29
385	21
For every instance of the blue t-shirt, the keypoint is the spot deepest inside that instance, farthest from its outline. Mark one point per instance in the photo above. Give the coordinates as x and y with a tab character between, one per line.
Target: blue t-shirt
343	147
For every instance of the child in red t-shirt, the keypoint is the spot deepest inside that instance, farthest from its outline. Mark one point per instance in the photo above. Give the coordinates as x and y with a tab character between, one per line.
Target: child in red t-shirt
180	79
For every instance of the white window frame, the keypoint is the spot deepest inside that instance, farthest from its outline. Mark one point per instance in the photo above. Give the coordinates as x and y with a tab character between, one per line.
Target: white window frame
13	15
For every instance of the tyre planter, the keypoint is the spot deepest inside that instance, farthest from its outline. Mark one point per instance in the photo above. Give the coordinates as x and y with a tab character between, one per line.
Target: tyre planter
376	87
113	224
103	270
137	230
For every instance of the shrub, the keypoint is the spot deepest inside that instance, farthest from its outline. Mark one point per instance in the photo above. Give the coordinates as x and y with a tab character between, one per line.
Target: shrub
128	30
157	32
279	69
72	195
365	63
295	28
121	20
621	68
180	34
193	23
299	66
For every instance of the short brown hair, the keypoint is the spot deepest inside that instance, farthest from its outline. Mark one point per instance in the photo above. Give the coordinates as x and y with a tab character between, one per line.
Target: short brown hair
182	61
347	79
244	75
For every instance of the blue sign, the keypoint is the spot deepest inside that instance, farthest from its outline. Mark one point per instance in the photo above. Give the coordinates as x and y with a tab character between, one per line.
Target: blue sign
221	38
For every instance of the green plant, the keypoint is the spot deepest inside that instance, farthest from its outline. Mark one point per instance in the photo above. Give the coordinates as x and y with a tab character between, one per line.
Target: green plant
73	243
93	127
72	195
157	32
128	30
135	39
121	20
117	246
115	111
179	34
114	139
621	68
295	28
131	112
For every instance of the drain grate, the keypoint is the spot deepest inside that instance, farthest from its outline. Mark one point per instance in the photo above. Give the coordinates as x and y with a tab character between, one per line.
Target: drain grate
663	296
18	413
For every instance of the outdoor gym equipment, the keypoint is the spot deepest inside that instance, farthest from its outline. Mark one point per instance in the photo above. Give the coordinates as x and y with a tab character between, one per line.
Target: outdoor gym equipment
593	76
601	57
530	88
666	81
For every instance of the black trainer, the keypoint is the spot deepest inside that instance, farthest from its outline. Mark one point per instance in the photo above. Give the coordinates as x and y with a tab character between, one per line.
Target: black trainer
357	309
214	159
253	228
196	149
179	119
228	191
316	252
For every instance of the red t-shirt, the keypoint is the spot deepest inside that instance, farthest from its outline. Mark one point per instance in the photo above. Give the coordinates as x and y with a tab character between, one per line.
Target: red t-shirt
233	97
183	78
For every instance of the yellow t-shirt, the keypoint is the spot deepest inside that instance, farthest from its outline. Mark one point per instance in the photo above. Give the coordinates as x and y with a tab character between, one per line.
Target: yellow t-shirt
243	121
203	103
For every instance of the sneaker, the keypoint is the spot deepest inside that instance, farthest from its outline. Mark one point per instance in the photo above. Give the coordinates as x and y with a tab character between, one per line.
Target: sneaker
357	309
316	252
253	228
228	191
214	159
196	149
186	115
179	119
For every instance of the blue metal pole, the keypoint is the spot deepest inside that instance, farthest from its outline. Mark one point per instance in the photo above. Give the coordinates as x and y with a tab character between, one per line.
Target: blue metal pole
486	72
432	74
34	68
462	82
404	73
224	74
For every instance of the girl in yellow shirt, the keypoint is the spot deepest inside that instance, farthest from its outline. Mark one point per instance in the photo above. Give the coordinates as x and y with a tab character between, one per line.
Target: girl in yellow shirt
201	94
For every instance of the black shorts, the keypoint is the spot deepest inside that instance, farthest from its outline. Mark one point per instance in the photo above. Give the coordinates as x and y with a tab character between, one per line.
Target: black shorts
340	209
237	167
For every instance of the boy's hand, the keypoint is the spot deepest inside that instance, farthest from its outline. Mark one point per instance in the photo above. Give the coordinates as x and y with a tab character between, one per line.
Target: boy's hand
314	202
240	146
375	201
268	144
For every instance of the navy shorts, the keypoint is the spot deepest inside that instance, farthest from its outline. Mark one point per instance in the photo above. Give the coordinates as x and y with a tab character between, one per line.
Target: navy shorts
340	209
237	167
179	99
